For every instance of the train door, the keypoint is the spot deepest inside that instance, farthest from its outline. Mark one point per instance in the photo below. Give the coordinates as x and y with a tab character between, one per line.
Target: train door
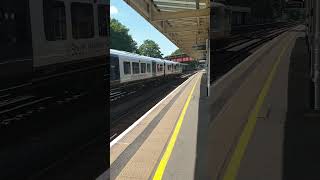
227	22
114	68
16	55
154	71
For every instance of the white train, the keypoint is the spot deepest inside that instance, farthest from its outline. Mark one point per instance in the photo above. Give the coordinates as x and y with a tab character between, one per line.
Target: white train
128	67
47	38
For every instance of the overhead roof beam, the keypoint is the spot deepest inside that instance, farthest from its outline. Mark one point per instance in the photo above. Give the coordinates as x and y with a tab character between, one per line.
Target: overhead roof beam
176	21
186	6
174	7
181	3
162	16
186	29
195	36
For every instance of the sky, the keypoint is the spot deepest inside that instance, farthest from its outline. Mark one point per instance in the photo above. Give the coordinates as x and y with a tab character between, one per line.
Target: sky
139	28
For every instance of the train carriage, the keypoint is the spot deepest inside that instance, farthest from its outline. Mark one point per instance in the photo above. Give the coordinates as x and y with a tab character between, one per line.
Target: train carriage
159	67
177	68
168	67
172	68
66	32
47	38
128	67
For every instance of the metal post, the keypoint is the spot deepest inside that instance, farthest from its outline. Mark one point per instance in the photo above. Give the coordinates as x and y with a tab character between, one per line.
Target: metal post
310	36
208	67
316	17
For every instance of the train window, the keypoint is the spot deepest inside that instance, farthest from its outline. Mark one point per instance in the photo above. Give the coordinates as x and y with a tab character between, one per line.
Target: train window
15	30
153	67
135	68
102	19
114	68
161	67
143	67
215	18
126	67
54	16
82	20
148	68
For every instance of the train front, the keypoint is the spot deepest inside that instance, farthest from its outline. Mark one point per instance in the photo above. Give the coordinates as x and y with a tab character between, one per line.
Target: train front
15	43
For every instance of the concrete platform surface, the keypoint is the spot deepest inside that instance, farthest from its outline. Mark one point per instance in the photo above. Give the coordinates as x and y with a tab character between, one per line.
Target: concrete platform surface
237	133
137	154
245	137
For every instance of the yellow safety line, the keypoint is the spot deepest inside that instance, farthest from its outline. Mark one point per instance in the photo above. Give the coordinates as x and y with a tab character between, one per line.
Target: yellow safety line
166	156
234	164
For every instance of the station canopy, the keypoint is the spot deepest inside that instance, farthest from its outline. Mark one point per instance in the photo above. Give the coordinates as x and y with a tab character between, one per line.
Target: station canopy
183	22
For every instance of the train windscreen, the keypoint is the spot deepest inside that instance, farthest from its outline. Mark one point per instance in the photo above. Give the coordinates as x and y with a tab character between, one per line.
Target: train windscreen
114	68
15	30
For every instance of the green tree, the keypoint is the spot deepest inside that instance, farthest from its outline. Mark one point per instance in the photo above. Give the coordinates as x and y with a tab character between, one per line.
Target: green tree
120	38
177	52
150	48
194	64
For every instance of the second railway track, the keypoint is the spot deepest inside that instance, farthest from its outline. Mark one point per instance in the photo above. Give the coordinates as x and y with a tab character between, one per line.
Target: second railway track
226	58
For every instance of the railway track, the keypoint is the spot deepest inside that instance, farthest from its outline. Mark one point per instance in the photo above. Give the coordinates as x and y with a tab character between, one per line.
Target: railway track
121	92
42	125
15	108
226	58
24	101
238	38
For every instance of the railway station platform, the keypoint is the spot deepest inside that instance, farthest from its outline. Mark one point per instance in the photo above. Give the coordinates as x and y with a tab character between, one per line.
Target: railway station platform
136	153
247	131
255	125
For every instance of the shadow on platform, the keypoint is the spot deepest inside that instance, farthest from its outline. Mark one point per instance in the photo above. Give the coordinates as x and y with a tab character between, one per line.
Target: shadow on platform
202	133
301	153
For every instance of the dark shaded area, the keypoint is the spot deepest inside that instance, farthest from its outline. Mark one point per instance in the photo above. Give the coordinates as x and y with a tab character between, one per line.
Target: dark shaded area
261	9
15	43
241	29
203	124
224	61
52	117
301	144
41	144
